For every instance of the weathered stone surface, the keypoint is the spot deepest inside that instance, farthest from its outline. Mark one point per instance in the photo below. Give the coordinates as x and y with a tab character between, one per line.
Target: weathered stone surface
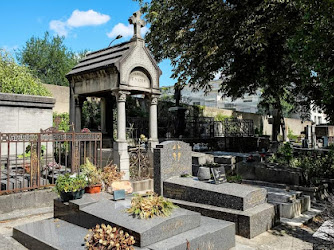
50	234
294	208
201	158
212	234
228	195
225	159
171	158
258	171
249	223
326	231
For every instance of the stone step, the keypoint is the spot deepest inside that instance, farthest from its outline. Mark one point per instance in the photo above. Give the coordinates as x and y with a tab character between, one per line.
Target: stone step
58	234
226	195
248	224
89	211
212	234
291	203
50	234
294	208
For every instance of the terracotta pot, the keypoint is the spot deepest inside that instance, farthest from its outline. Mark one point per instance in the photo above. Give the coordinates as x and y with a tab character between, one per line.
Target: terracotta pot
93	189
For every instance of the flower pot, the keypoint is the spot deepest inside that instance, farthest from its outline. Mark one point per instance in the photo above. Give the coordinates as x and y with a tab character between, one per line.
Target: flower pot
93	189
67	196
203	173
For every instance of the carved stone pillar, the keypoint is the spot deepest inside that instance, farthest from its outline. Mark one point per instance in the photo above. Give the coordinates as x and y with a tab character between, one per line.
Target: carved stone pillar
153	118
153	133
79	100
121	155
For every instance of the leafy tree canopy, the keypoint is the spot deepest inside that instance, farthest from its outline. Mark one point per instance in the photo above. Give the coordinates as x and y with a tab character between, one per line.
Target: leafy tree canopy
18	79
251	43
48	58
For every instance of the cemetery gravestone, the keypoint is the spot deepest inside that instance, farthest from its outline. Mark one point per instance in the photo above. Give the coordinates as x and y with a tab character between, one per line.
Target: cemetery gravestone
242	204
171	158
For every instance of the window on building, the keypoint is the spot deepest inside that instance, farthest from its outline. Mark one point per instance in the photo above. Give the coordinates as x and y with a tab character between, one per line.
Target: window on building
319	120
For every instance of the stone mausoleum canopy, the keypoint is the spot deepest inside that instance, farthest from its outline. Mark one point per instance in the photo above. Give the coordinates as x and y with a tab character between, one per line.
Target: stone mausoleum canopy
112	74
128	66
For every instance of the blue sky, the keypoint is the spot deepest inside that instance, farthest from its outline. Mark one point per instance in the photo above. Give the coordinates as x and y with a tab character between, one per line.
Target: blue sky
86	24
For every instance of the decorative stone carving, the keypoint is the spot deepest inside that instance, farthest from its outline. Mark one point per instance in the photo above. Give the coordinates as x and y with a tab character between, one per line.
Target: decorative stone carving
121	95
154	100
137	24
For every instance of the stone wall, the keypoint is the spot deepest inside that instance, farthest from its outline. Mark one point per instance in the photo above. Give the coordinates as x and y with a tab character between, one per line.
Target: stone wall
62	96
24	114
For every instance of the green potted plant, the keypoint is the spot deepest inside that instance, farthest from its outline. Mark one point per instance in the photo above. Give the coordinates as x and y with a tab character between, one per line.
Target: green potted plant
70	187
93	177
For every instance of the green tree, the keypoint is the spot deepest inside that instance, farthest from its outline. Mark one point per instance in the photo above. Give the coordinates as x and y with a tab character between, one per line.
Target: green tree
18	79
246	41
313	52
49	58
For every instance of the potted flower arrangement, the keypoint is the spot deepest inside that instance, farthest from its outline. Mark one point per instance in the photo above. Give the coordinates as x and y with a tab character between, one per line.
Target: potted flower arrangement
93	177
70	187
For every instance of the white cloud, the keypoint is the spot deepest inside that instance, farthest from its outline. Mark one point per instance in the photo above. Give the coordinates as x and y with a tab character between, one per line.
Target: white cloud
87	18
59	27
125	30
78	19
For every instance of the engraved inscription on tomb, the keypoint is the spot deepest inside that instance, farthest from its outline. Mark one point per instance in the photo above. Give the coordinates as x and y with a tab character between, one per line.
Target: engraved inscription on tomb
139	79
175	193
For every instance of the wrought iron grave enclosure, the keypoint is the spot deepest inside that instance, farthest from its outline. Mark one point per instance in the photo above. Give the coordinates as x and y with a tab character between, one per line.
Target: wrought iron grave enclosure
34	160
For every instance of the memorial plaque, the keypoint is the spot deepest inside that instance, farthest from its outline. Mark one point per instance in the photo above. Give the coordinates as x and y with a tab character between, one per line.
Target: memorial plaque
219	176
139	79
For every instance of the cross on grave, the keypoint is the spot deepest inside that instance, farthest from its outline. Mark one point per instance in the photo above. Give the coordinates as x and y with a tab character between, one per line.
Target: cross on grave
177	153
137	23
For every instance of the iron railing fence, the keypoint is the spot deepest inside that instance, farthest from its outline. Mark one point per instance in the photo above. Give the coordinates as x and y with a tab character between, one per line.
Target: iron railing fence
34	160
234	128
194	127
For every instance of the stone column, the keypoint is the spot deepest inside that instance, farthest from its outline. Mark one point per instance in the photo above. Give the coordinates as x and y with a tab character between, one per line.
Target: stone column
72	104
103	115
153	133
153	136
121	155
79	100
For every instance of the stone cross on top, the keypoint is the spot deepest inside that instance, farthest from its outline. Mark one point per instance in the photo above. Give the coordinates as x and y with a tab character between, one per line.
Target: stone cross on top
137	23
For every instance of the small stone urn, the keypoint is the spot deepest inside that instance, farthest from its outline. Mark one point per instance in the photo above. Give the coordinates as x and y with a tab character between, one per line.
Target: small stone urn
203	174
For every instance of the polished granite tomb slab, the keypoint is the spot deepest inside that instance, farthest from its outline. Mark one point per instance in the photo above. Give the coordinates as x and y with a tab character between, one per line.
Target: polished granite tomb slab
174	232
145	231
57	234
50	234
227	195
248	224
